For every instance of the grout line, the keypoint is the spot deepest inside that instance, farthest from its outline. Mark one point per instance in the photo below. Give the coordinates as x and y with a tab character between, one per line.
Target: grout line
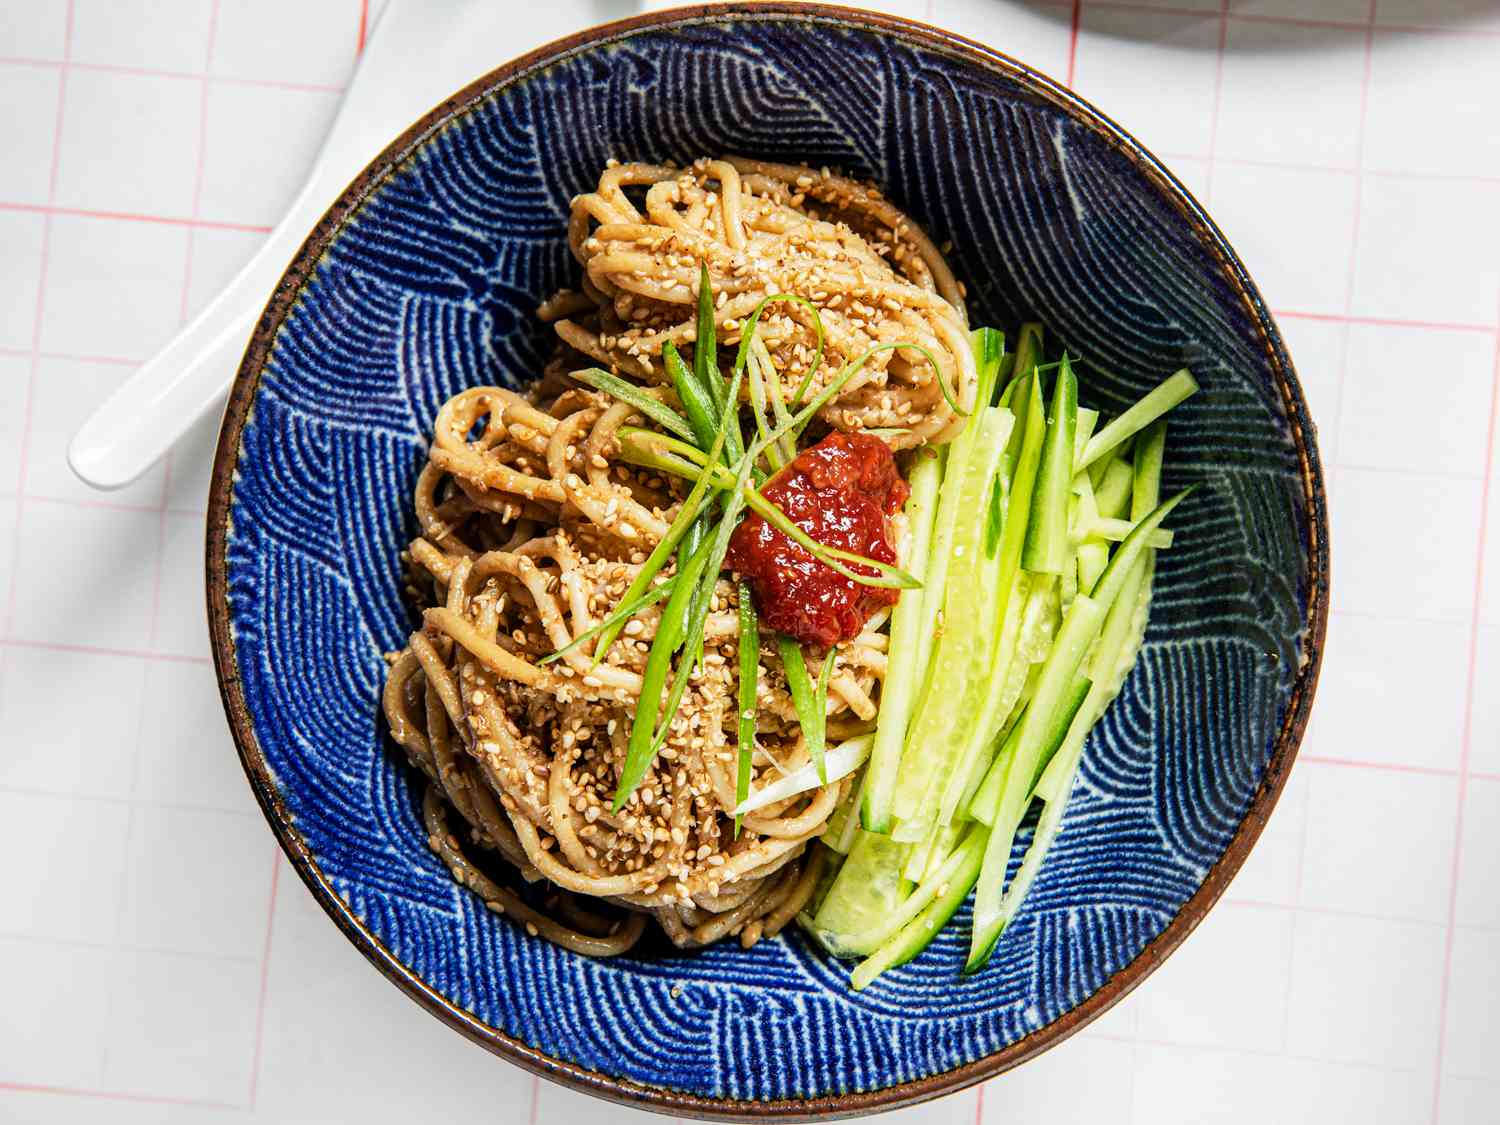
144	802
1254	1052
1381	767
1360	129
265	977
125	947
178	75
536	1099
106	505
113	1095
1073	32
1415	29
1466	746
364	27
1386	322
99	650
978	1098
1217	104
28	399
49	210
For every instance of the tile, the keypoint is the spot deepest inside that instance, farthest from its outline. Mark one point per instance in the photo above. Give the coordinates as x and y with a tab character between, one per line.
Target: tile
1266	103
1178	1086
64	392
154	34
1489	592
327	1014
1484	713
1431	105
1373	668
1473	1040
29	30
28	132
1226	985
1464	14
85	581
181	626
1194	175
214	258
287	40
1479	857
114	287
1116	47
21	242
70	722
1274	868
9	517
129	143
1176	7
1047	1087
15	379
261	143
1428	250
1379	842
1119	1024
66	863
186	756
197	881
1294	228
1469	1101
52	1021
193	459
1450	431
1319	351
1428	576
1365	990
1035	34
44	1107
181	1026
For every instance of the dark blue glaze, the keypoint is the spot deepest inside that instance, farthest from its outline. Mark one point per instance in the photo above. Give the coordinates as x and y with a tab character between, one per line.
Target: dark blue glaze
432	288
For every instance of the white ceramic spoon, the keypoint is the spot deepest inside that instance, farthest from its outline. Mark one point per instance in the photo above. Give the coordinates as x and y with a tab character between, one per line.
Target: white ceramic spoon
419	52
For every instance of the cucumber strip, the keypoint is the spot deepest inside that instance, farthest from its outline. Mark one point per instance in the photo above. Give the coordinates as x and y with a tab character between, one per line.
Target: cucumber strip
844	823
1027	355
833	862
1078	631
1146	480
1097	470
1047	829
961	663
985	765
1112	494
986	800
899	689
1116	531
1167	394
1047	549
1078	691
912	903
866	894
1130	551
915	936
840	762
1087	420
1093	556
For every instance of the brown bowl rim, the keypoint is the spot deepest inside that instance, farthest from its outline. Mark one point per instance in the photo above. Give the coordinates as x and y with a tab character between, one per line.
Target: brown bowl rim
625	1091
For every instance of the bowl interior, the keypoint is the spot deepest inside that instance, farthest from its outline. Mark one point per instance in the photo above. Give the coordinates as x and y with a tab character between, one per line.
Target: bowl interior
430	286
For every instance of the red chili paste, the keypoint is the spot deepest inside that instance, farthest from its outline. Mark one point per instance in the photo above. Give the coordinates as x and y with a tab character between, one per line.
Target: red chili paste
840	492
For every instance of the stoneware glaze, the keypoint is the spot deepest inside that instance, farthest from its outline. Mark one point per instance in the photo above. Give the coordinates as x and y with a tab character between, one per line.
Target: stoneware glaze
424	278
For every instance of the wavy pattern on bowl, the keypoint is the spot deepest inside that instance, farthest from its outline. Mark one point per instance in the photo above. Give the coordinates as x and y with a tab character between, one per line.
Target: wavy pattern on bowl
431	285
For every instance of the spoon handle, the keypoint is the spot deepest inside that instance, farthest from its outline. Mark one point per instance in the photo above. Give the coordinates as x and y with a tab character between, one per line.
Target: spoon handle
418	53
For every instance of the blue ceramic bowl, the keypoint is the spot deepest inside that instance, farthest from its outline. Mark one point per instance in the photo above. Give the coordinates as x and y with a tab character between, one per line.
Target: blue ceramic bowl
423	279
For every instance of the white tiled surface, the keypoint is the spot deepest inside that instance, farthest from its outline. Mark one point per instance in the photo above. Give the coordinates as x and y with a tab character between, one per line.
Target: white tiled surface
158	963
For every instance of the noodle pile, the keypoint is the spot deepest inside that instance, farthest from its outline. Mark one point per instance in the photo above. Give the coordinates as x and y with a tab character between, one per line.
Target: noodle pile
531	529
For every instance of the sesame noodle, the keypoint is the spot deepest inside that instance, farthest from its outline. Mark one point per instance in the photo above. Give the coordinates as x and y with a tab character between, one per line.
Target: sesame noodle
531	528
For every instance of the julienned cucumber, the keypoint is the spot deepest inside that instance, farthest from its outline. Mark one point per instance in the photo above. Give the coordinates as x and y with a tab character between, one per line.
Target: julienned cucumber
1034	534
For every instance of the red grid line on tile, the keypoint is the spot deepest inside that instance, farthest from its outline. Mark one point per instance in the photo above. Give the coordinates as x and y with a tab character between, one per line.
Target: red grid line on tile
101	650
50	210
28	398
1467	745
1299	21
265	977
176	75
979	1105
105	505
112	1095
1218	101
364	26
536	1100
1385	767
1386	321
1076	23
1360	128
1325	911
